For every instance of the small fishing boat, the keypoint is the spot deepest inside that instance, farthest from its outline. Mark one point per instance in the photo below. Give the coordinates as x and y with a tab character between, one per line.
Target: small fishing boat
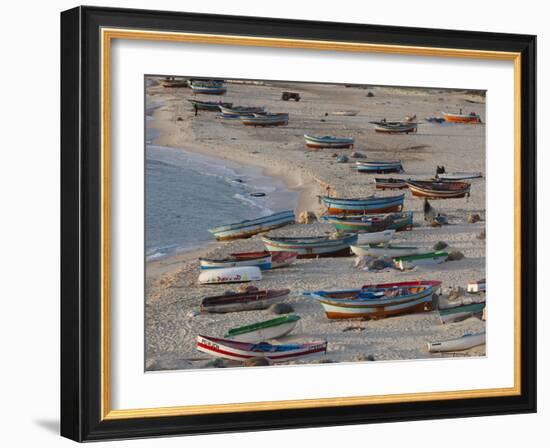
328	141
472	117
395	127
377	301
262	261
249	227
371	223
389	251
174	82
345	113
424	259
460	312
239	274
253	299
241	351
312	246
476	287
362	206
389	183
455	345
209	105
264	331
375	237
239	111
267	119
208	88
379	166
458	176
278	259
438	190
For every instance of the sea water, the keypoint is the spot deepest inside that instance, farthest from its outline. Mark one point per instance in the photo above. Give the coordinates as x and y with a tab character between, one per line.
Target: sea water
187	193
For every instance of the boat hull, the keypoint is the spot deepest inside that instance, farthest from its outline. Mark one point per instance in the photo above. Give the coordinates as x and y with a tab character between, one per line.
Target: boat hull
409	262
241	351
320	142
256	300
230	275
461	118
423	190
265	334
321	247
248	228
369	312
390	184
389	251
405	129
452	314
360	206
202	90
263	262
454	345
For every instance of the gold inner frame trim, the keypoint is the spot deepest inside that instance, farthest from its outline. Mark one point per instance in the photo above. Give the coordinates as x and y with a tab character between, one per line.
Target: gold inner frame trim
107	35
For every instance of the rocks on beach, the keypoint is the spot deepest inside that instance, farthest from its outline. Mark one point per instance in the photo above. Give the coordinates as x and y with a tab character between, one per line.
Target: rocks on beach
281	308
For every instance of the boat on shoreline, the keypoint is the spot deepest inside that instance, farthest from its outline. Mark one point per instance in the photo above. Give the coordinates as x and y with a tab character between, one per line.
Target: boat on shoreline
388	251
371	223
379	166
252	299
208	105
265	330
438	190
460	312
395	127
471	118
241	274
420	259
363	206
241	351
377	301
458	344
208	87
263	261
174	82
267	119
278	259
390	183
240	111
312	246
328	141
458	176
249	227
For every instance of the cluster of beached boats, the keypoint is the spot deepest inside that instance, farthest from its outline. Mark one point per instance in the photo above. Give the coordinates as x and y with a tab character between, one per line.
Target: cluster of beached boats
364	226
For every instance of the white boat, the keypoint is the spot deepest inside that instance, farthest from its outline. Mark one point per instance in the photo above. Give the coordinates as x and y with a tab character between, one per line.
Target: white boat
459	176
264	331
230	275
384	251
455	345
375	237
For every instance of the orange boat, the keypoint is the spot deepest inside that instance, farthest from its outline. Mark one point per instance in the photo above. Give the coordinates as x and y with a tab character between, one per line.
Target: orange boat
472	117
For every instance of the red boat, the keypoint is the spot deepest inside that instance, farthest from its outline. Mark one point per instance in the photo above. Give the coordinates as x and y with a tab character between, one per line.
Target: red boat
472	117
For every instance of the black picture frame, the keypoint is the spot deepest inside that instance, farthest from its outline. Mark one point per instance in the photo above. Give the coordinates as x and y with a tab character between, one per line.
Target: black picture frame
81	224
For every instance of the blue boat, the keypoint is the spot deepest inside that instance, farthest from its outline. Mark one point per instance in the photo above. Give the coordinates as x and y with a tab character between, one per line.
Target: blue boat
312	246
208	87
247	228
364	206
379	166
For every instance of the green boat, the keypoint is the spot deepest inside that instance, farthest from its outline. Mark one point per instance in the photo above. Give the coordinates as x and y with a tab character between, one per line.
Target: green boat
372	223
265	330
461	311
410	261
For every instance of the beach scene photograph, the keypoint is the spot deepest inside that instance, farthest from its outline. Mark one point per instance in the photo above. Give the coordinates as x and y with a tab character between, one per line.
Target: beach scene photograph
294	223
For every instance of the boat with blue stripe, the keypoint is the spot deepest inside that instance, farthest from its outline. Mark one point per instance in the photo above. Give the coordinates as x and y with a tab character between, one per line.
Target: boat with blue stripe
379	166
363	206
249	227
377	301
312	246
371	223
328	141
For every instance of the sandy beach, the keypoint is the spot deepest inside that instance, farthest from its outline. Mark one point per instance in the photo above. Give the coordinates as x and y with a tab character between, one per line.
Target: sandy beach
172	292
